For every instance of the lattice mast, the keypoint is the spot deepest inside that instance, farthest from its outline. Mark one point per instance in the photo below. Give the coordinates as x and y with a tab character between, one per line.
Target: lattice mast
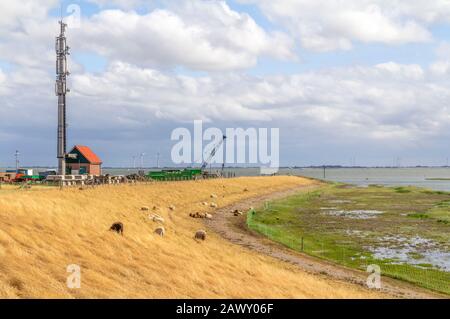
62	51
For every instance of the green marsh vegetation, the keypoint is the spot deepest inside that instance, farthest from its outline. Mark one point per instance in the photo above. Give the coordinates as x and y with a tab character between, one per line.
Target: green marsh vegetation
404	230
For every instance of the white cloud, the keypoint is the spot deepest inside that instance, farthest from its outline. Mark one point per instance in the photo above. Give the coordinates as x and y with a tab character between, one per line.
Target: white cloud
385	104
326	25
199	35
390	102
127	4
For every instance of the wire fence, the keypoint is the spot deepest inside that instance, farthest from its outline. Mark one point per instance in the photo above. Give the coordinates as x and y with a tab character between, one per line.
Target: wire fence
349	254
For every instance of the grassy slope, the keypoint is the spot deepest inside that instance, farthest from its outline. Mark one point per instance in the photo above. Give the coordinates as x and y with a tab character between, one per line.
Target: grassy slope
42	231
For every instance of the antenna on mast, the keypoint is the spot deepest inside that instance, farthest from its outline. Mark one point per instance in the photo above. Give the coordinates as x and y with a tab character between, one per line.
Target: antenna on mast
62	51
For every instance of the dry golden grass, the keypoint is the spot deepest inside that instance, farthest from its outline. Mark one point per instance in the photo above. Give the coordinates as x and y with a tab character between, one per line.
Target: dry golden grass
44	230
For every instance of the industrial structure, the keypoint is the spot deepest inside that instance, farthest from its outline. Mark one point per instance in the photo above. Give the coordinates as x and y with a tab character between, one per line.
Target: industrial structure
62	51
191	173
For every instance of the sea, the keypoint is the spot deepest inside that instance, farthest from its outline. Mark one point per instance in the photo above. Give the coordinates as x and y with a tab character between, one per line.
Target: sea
426	177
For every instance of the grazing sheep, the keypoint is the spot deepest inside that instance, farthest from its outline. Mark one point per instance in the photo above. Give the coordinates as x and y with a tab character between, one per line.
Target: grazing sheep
171	207
205	204
155	208
246	190
238	213
145	209
157	219
213	205
117	227
200	235
201	215
160	231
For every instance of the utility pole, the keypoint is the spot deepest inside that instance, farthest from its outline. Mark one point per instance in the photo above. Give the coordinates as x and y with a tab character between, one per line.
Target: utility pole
17	161
62	51
157	160
142	160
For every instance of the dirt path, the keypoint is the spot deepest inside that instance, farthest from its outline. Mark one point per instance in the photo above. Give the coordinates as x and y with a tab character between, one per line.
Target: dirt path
235	230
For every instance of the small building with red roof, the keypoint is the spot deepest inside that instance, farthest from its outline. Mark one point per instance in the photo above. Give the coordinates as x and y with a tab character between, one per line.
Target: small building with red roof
82	160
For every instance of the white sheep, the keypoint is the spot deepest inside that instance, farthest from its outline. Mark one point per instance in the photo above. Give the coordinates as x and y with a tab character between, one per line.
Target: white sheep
157	219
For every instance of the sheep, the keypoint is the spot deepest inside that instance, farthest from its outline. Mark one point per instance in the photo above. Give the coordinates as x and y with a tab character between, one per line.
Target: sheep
200	235
171	207
117	227
160	231
246	190
238	213
213	205
213	196
205	203
201	215
157	219
145	209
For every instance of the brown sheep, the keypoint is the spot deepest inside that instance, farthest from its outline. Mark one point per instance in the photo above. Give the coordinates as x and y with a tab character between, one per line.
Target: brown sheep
238	213
145	208
117	227
160	231
200	235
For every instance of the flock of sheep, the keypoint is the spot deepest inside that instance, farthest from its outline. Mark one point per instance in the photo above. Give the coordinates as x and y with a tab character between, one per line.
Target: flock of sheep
118	227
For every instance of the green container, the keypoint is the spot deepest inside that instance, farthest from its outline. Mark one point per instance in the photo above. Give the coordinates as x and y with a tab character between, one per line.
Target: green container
175	175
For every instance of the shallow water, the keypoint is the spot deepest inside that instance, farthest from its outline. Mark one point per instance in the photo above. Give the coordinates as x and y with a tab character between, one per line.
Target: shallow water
355	214
413	251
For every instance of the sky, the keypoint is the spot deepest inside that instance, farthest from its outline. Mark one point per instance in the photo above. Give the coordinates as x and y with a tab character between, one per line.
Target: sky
362	82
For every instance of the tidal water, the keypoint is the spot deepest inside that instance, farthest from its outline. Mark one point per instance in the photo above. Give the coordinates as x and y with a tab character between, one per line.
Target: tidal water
421	177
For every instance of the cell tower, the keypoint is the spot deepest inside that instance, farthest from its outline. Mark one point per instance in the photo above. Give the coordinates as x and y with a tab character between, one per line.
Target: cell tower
17	161
62	51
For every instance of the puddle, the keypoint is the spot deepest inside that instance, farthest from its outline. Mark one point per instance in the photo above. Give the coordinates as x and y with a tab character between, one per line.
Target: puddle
413	251
355	214
340	201
356	233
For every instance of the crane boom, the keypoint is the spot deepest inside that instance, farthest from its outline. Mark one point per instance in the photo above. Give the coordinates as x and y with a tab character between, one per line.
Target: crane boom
213	152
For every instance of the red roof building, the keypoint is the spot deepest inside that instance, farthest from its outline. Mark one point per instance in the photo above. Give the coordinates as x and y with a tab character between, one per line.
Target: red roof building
82	160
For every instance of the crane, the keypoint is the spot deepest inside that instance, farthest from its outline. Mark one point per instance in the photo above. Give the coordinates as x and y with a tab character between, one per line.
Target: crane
213	153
